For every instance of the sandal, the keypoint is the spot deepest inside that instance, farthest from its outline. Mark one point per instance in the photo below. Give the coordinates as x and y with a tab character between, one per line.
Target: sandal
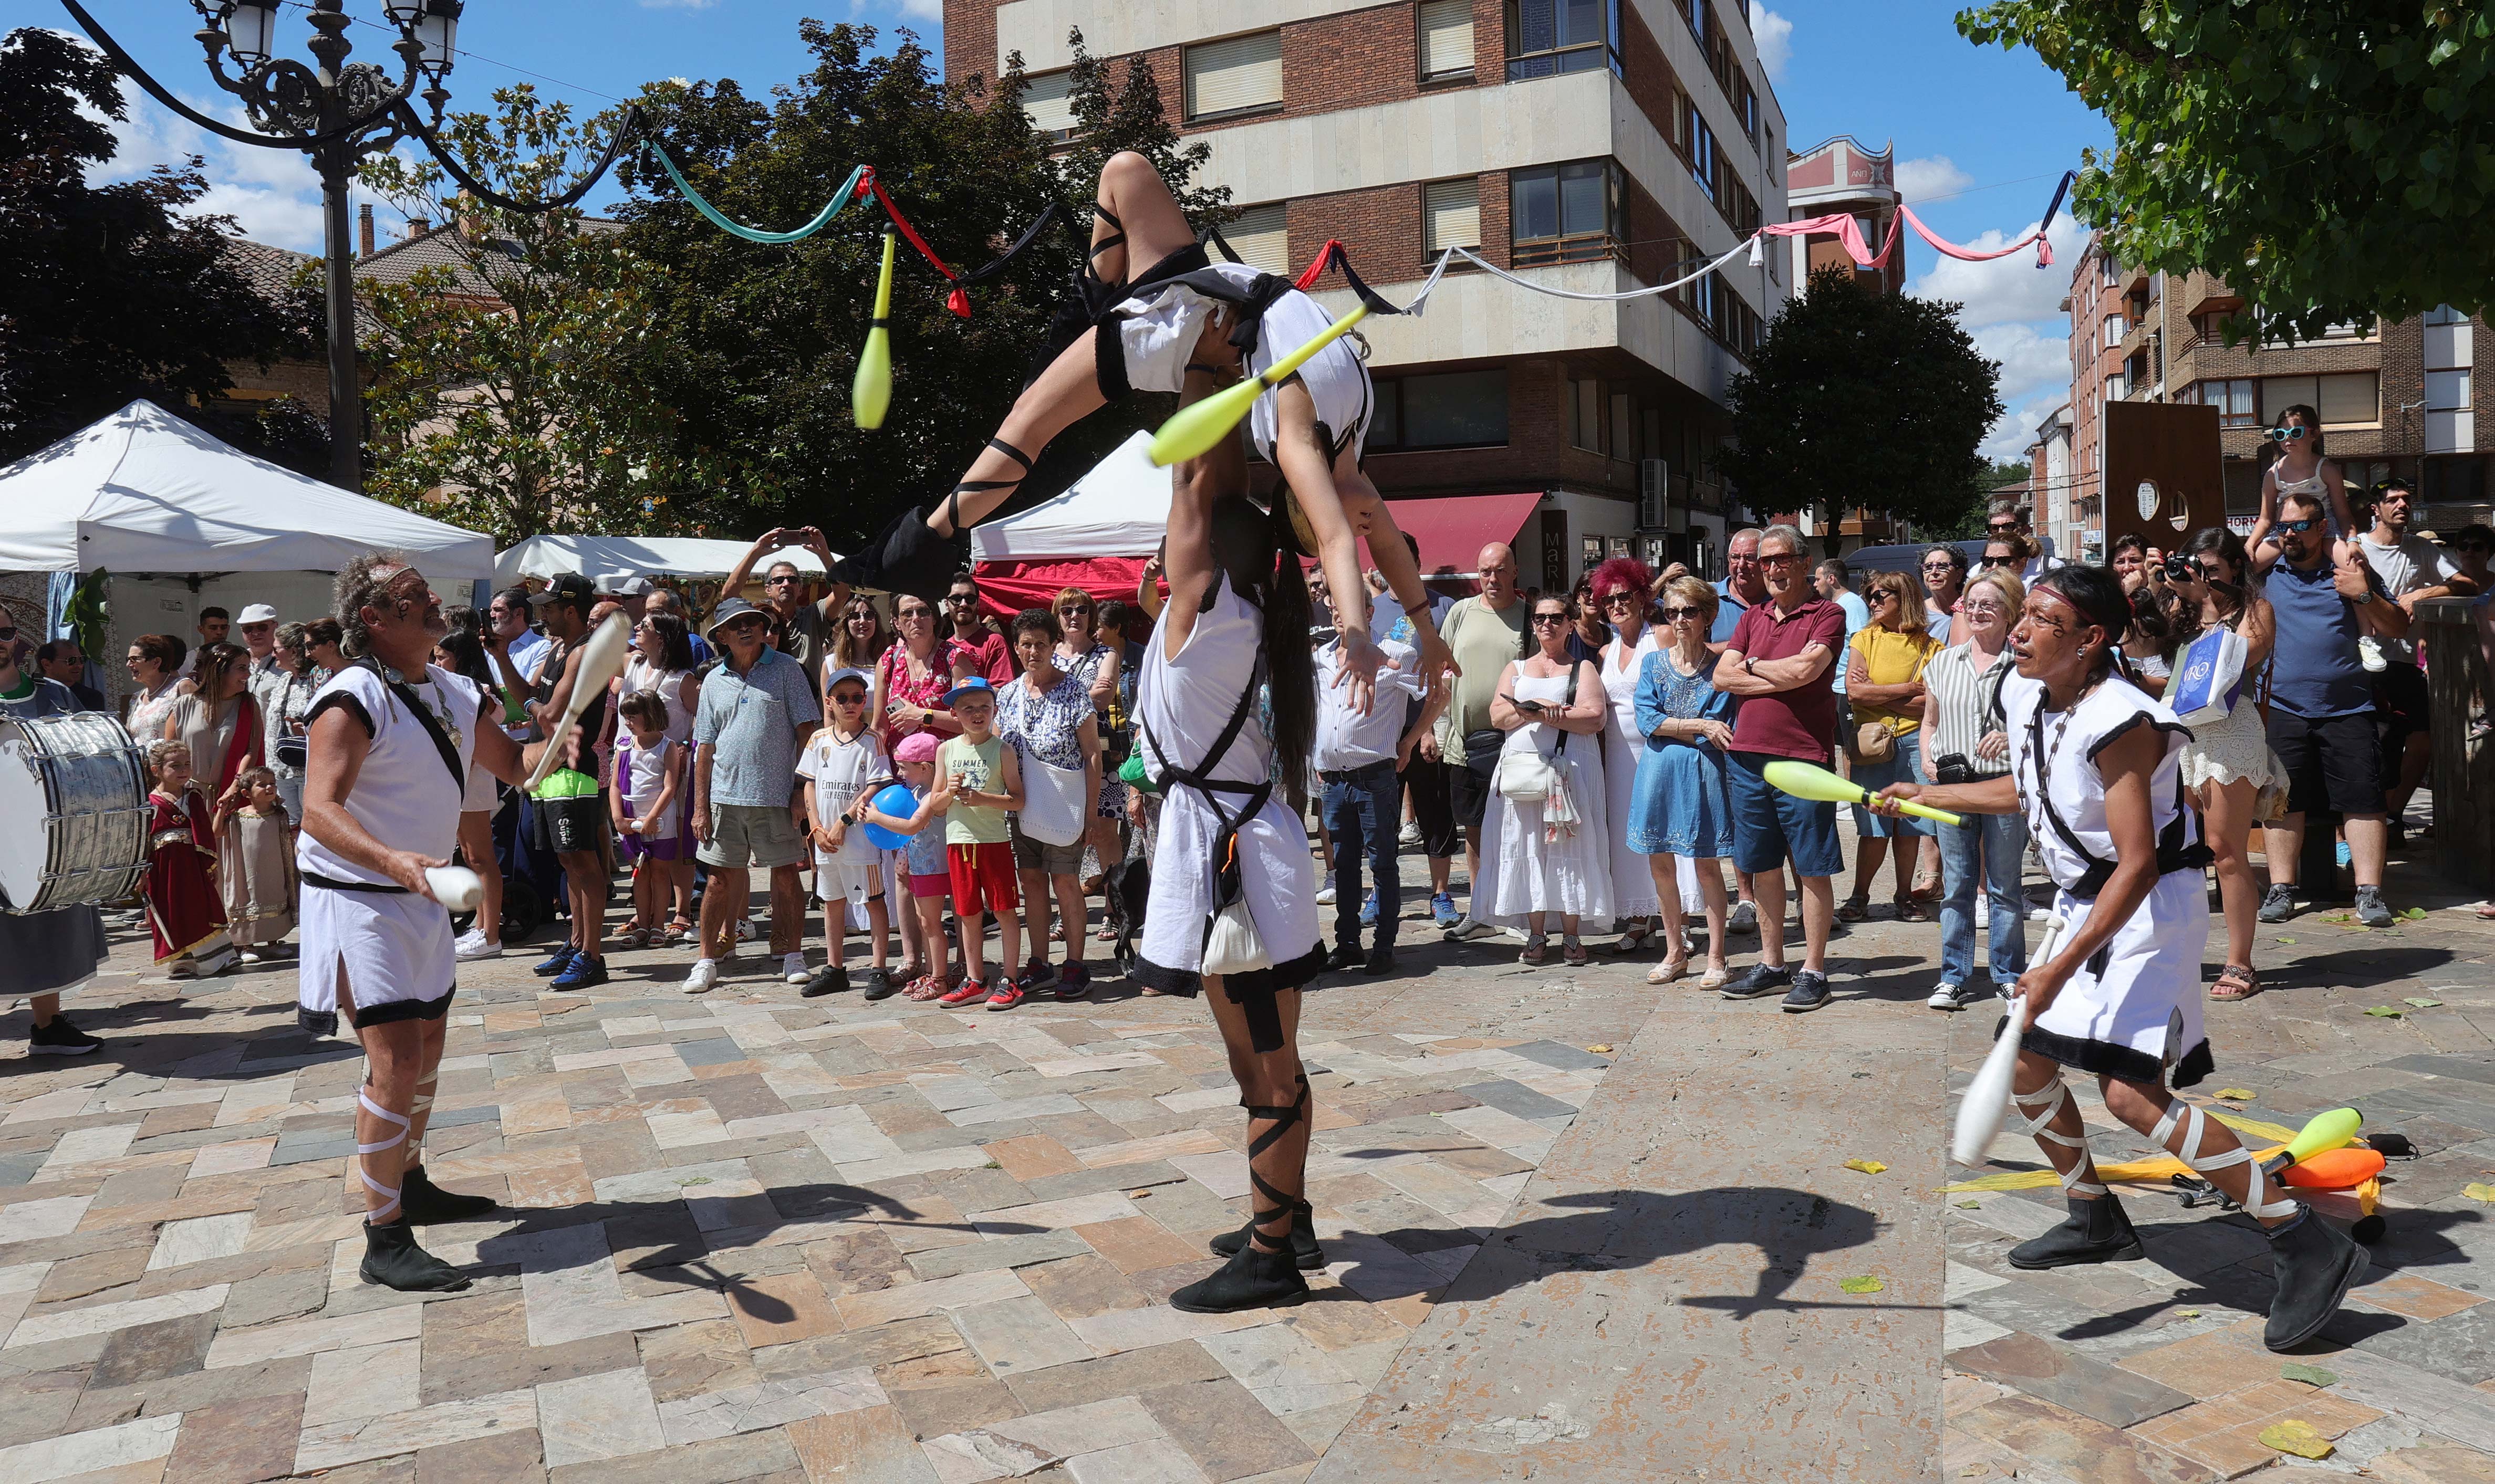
1536	950
2235	981
1634	939
1106	933
926	987
1927	887
1715	977
1854	909
1571	950
1909	909
1670	969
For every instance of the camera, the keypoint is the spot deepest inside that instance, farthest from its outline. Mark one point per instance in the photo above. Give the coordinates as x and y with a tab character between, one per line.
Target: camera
1951	768
2181	567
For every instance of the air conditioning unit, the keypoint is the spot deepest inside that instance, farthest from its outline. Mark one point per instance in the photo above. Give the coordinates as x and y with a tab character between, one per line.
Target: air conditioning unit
1655	493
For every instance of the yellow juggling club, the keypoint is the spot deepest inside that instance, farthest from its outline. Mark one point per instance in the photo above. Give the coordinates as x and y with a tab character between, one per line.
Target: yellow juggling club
871	394
1195	429
1805	781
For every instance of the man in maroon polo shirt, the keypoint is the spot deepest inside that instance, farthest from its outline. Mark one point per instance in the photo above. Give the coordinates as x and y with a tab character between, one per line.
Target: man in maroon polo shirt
1778	662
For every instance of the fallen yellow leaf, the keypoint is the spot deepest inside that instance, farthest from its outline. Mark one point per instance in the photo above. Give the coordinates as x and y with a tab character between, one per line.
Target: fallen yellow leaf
2297	1437
1599	1050
2239	1094
1866	1284
1867	1166
2476	1192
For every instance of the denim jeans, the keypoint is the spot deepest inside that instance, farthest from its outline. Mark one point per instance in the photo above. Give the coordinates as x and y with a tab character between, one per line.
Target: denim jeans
1994	844
1363	814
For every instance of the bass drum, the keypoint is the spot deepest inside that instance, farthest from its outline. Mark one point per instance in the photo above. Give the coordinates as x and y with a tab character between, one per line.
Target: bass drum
73	812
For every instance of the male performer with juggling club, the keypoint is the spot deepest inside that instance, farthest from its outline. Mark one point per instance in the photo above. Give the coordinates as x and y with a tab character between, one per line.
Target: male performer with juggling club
391	739
1122	332
2094	767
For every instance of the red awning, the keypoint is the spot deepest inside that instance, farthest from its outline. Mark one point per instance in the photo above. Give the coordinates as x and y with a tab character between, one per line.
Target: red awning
1452	529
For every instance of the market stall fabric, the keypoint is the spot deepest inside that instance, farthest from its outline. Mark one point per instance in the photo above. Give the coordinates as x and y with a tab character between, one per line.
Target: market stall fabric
598	557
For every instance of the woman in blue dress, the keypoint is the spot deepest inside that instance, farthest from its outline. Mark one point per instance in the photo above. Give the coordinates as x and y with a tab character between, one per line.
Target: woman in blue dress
1681	805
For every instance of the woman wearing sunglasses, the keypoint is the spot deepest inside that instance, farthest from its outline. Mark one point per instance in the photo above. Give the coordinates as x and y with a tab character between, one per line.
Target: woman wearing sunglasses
1543	860
1621	587
2233	778
1083	654
1680	811
2299	470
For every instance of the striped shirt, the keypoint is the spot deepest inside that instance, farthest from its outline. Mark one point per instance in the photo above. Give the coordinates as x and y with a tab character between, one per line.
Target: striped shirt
1965	705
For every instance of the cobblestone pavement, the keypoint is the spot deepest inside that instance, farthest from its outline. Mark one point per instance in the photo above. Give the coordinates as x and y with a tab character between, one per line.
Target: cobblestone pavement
1581	1228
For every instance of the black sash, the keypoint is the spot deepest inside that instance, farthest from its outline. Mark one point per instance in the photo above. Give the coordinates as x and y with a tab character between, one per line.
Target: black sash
333	883
2174	852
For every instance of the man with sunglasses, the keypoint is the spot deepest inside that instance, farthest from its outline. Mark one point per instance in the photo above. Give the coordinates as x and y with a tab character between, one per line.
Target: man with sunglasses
2322	722
2012	525
2408	569
973	640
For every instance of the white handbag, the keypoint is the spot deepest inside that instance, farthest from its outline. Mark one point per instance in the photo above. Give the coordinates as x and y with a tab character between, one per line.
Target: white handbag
1232	945
1051	803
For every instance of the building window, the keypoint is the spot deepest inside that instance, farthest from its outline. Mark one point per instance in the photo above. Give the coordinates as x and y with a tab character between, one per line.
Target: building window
2444	314
2348	399
1590	554
1699	141
1449	410
1446	39
1238	74
1049	100
2113	330
1726	314
1546	38
1451	214
2233	400
2447	409
1585	415
1567	213
1262	238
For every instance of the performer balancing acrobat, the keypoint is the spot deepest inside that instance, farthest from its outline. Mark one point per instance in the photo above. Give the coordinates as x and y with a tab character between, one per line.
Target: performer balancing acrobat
1120	332
392	737
2094	767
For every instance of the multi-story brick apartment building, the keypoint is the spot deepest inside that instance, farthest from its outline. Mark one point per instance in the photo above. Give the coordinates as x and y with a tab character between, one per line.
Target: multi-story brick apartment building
2395	398
1592	146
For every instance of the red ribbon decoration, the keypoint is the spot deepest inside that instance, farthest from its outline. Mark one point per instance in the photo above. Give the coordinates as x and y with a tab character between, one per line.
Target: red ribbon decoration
958	301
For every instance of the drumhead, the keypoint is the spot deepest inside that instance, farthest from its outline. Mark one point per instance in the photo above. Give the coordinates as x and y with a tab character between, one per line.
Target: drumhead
25	809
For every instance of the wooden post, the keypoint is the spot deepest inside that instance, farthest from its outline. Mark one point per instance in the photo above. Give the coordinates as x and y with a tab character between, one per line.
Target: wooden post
2463	775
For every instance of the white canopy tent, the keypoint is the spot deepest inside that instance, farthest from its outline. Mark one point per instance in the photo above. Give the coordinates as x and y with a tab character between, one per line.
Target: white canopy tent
1120	508
142	491
598	557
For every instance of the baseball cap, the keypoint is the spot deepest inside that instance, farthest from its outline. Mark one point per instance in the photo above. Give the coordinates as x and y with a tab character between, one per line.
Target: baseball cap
729	611
625	587
567	587
847	673
976	686
258	612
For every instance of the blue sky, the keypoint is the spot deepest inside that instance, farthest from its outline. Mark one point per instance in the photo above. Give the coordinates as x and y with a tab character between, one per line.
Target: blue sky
1980	132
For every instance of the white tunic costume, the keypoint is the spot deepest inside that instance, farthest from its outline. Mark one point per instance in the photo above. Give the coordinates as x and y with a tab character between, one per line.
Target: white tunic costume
1160	328
1183	705
2134	1010
396	947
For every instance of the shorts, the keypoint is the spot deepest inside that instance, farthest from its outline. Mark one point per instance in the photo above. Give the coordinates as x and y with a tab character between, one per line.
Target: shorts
1029	855
843	878
2402	703
570	825
937	886
983	878
1468	780
2333	763
748	836
1771	826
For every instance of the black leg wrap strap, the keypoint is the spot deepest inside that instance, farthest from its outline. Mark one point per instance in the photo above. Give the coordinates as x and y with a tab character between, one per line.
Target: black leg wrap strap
1273	1204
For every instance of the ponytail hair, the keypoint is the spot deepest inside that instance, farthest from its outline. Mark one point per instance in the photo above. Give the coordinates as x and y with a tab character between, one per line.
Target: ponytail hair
1255	550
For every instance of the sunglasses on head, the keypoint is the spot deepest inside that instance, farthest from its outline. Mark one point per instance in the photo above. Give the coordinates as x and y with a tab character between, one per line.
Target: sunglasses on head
2288	433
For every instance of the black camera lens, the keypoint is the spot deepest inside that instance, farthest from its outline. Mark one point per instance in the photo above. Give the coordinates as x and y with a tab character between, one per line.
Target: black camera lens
2179	568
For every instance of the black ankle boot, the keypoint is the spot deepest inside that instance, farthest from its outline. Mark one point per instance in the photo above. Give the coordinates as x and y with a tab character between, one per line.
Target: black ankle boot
392	1260
2096	1232
425	1203
2316	1265
1305	1249
1252	1279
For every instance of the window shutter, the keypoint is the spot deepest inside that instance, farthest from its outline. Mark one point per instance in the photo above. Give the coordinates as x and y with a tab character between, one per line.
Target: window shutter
1050	103
2351	398
1446	37
1451	214
1243	72
1262	238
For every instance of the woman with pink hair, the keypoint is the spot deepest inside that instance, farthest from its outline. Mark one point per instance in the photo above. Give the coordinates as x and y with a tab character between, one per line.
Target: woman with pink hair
1623	589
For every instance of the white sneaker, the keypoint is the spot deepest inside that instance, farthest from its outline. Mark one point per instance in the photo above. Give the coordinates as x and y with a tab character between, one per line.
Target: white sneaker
745	929
703	978
1325	896
2369	653
2040	914
1410	839
1744	918
472	945
1983	910
792	967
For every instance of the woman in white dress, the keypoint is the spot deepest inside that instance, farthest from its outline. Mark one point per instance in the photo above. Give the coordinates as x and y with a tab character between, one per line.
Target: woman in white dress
1234	884
2095	766
1623	589
2234	777
1552	708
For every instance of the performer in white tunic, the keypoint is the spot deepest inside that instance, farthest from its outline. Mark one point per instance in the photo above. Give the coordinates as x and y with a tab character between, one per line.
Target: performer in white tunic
391	739
2094	767
1234	882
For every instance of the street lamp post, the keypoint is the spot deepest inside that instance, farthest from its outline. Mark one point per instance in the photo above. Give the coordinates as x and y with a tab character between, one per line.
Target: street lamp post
284	97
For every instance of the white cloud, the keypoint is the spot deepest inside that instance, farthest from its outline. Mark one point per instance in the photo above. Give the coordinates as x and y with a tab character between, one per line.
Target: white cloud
2011	437
273	195
1773	34
1921	181
2005	290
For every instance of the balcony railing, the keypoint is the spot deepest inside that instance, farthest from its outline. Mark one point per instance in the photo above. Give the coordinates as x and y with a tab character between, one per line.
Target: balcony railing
1585	247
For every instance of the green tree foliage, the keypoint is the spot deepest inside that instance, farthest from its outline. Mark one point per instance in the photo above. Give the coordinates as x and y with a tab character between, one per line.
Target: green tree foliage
2330	159
763	340
511	386
1859	397
111	293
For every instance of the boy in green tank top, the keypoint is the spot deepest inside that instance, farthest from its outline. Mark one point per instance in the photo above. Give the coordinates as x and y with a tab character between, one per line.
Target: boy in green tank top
979	782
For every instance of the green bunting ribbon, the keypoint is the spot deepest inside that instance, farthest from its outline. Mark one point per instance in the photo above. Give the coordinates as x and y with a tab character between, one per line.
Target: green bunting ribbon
840	197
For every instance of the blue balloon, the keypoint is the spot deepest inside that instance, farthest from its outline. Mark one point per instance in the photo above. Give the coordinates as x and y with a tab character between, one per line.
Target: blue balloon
900	803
